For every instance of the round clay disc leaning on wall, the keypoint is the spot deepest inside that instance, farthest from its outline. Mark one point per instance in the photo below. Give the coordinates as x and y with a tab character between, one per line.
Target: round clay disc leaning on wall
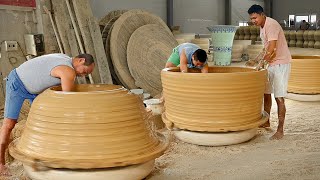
108	26
104	21
120	35
149	48
133	172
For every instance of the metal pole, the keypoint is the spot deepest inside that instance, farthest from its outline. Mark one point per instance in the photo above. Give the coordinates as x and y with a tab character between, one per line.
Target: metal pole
170	13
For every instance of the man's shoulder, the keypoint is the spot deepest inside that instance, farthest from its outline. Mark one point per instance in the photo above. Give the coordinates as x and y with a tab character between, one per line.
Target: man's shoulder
272	23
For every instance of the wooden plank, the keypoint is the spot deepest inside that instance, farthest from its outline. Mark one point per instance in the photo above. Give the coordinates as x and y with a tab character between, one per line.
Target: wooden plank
83	12
63	23
104	70
2	96
75	51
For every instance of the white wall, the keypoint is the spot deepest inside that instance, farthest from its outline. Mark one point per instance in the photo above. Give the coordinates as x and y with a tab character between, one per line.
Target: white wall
101	8
239	9
193	16
15	22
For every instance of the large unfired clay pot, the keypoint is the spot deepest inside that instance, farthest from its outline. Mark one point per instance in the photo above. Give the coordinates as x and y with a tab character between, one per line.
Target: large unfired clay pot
225	99
97	126
305	75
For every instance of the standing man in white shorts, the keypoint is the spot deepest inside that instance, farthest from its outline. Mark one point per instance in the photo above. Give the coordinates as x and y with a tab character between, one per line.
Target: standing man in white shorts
278	57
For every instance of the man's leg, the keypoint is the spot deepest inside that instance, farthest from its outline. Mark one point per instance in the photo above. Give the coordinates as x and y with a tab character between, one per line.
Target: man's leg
282	72
281	116
13	102
7	126
267	107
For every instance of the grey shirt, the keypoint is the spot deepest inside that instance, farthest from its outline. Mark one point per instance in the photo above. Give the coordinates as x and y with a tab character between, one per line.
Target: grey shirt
35	74
189	48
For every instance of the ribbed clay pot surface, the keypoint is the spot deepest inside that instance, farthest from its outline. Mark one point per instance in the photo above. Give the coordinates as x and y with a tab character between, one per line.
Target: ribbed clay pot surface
97	126
225	99
305	75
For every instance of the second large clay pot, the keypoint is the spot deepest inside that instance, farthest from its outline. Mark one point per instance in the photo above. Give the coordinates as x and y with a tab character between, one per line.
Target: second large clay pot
305	75
225	99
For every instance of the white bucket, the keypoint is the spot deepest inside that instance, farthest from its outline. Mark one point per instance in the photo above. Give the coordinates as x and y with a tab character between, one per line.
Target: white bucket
155	105
136	91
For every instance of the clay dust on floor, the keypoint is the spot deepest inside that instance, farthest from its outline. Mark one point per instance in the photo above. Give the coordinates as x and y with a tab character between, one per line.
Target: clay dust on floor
296	156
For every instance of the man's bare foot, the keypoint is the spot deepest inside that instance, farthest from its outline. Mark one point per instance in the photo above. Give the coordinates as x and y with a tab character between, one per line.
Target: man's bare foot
265	125
4	171
278	135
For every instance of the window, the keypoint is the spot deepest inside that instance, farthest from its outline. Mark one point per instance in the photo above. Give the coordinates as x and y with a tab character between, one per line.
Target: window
291	20
243	23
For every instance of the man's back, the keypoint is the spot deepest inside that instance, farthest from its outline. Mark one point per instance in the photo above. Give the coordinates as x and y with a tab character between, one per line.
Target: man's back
35	73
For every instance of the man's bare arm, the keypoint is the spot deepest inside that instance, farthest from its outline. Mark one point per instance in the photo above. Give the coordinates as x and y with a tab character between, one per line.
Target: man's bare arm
67	76
183	61
205	68
271	51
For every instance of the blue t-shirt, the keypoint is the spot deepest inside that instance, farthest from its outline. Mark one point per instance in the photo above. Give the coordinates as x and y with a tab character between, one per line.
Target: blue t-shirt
189	49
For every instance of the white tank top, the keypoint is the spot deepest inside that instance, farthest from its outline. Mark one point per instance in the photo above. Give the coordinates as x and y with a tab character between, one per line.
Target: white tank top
35	74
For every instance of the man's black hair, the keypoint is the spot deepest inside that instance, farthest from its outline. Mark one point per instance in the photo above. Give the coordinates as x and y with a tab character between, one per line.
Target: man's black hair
200	55
88	59
255	9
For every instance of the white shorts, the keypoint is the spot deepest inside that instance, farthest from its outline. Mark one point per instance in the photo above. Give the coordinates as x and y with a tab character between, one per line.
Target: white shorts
278	77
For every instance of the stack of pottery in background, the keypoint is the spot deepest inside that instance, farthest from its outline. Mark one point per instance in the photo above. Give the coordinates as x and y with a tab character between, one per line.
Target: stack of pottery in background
184	37
248	33
303	39
254	50
202	42
236	53
299	37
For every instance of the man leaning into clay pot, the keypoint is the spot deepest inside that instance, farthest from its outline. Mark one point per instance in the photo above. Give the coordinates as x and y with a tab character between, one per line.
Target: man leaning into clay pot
278	57
33	77
188	55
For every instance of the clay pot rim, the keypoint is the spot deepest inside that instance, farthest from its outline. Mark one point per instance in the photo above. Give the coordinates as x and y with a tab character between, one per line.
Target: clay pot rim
262	120
87	163
175	70
305	57
57	89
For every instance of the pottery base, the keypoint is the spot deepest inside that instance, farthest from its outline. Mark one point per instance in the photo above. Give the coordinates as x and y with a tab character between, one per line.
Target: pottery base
215	139
303	97
132	172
